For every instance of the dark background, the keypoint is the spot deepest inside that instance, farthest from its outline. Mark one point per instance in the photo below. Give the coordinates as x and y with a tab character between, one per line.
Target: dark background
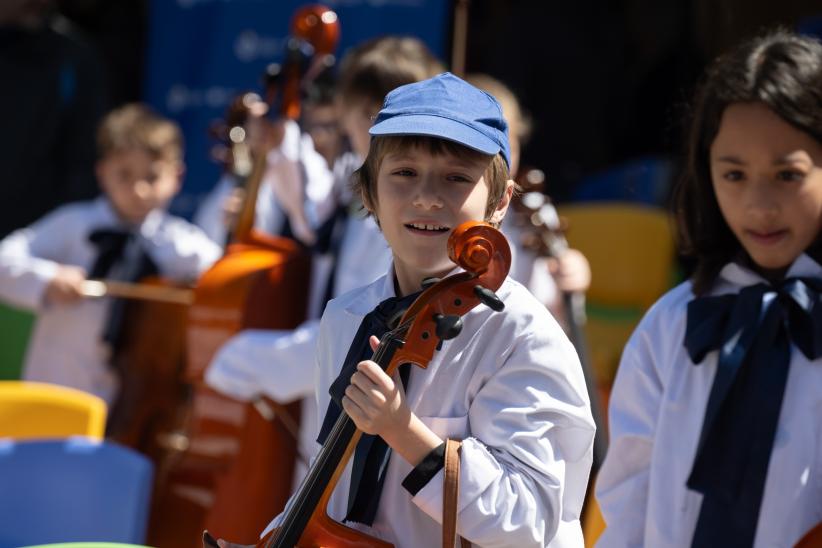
603	81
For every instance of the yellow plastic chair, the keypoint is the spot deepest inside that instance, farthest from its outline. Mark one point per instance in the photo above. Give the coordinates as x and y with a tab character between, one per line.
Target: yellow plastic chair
631	251
41	410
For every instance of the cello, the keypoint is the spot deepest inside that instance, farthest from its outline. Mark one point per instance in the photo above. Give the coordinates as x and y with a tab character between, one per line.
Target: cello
435	315
226	450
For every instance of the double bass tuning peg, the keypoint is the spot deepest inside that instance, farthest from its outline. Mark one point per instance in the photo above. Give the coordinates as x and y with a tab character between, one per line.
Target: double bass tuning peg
489	298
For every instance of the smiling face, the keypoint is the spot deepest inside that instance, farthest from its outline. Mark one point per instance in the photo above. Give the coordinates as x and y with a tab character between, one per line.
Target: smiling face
136	182
420	198
767	176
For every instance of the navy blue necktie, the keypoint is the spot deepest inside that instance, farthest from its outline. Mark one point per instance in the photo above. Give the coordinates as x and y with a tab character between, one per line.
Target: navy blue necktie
753	331
372	453
114	259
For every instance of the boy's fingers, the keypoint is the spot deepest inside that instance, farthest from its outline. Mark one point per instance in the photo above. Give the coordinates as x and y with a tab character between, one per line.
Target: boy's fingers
376	375
374	342
363	391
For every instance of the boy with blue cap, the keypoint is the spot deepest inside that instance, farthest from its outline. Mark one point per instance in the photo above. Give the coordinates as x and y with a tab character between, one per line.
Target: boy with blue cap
510	385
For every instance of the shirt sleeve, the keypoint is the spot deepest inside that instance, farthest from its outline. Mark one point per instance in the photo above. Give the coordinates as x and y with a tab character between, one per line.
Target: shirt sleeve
182	250
425	470
278	363
30	258
524	468
622	485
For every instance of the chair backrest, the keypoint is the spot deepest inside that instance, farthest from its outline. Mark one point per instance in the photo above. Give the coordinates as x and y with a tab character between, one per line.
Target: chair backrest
630	248
72	490
42	410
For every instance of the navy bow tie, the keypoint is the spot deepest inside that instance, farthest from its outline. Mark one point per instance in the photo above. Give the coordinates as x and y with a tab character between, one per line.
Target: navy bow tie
753	331
116	259
372	453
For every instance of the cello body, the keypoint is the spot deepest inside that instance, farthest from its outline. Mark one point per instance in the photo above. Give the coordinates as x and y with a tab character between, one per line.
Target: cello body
228	468
150	364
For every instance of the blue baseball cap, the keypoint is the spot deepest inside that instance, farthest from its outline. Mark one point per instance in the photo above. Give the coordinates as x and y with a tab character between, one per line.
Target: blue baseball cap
449	108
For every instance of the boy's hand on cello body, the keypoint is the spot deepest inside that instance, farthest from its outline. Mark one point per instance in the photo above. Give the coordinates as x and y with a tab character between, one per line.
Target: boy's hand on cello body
66	287
377	405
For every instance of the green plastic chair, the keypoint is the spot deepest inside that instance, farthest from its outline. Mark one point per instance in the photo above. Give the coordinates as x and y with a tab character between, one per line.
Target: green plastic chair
15	328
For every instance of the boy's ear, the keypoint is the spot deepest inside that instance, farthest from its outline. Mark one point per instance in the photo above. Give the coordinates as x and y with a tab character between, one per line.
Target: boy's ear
367	203
502	207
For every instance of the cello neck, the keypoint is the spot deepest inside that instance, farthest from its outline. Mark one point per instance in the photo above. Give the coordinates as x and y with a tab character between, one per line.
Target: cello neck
245	220
327	468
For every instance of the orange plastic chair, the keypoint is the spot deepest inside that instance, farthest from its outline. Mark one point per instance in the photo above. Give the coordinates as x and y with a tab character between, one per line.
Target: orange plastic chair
630	248
41	410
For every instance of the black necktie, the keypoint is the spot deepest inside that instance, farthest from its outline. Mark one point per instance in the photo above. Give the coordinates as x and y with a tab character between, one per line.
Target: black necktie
753	331
372	453
117	259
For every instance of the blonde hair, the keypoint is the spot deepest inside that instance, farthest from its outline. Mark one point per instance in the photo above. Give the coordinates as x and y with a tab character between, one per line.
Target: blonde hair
519	123
364	180
372	69
136	126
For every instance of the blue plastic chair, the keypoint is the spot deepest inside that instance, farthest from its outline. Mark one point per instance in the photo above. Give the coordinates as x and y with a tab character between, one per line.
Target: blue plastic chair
74	489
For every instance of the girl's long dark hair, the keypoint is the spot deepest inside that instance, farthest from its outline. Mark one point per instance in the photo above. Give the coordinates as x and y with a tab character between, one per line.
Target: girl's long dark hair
780	69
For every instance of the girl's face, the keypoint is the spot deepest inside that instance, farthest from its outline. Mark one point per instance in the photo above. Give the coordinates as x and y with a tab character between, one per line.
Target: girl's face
421	197
767	177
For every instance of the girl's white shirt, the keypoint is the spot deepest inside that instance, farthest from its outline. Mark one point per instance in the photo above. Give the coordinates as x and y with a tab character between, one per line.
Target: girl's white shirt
65	346
656	412
510	385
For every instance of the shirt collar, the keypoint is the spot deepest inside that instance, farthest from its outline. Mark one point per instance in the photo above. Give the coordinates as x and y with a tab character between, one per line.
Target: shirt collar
378	291
109	217
737	274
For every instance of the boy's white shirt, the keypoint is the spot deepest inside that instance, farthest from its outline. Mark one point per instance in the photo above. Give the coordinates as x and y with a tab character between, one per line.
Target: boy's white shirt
65	346
656	413
510	385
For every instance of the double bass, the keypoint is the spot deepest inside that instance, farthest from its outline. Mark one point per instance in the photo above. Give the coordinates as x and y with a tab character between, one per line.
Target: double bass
228	466
434	316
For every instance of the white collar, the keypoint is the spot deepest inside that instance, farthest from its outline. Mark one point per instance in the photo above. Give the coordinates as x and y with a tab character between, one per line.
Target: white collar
740	275
110	217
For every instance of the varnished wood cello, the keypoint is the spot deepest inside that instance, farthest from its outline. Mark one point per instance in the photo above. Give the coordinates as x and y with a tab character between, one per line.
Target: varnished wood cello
225	450
484	254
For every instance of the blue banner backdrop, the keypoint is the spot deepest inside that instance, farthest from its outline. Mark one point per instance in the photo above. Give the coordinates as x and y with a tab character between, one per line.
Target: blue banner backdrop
202	53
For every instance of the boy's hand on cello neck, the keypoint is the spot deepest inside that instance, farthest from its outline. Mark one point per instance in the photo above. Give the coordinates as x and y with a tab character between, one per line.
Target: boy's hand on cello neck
571	272
66	287
264	135
377	405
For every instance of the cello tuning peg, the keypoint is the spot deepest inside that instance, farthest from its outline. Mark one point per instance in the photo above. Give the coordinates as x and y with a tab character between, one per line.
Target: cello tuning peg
489	298
448	327
428	282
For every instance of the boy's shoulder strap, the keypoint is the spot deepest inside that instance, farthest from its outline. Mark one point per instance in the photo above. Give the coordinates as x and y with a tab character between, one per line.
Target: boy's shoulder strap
450	495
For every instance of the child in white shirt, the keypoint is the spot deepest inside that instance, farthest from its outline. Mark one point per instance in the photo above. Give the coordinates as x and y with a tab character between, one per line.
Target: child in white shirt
714	414
122	235
509	385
